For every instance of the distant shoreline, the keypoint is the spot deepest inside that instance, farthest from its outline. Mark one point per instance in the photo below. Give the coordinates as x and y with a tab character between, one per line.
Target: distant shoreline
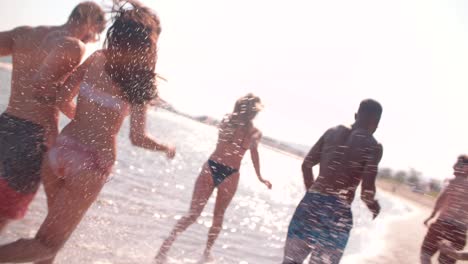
404	191
400	190
397	189
285	147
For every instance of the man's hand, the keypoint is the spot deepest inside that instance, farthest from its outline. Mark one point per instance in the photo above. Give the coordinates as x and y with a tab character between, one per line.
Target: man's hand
374	207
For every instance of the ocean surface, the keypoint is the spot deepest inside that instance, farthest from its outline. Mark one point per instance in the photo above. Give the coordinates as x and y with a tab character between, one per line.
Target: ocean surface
146	194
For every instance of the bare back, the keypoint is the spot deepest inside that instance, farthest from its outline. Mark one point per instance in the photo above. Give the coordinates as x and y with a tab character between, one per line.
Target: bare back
233	141
31	48
344	155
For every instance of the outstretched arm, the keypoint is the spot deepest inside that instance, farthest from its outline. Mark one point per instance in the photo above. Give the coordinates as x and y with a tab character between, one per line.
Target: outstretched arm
256	158
368	189
57	66
440	202
312	159
138	135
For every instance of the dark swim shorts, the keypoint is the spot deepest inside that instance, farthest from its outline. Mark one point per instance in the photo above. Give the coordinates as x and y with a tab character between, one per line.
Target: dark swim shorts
22	147
323	220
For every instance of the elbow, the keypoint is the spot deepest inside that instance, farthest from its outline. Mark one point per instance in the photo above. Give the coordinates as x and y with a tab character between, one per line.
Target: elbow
136	140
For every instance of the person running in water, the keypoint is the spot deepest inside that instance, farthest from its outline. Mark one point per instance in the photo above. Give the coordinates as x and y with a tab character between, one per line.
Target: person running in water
452	206
43	57
237	135
322	221
112	83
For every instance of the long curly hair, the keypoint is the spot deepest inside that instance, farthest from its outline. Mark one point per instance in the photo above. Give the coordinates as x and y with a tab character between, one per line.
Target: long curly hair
131	50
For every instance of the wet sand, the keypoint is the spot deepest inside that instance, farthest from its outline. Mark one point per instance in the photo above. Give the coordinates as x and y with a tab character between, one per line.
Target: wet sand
405	235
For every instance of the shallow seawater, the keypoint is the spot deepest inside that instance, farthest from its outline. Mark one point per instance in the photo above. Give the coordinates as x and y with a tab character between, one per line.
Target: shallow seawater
147	194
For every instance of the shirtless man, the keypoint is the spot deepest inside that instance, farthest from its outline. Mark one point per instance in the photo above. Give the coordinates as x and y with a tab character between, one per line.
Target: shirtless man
347	155
43	57
452	205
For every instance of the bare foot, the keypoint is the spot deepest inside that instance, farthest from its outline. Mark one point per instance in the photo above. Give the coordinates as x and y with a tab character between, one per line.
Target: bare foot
161	258
207	258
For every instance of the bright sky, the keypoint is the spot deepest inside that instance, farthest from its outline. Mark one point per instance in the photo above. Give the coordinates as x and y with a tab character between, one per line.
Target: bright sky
312	62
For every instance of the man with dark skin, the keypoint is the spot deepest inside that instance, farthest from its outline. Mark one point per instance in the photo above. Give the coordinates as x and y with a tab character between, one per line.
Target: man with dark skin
43	57
323	219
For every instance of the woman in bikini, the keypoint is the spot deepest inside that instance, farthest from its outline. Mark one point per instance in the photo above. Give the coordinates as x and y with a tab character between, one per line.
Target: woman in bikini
114	82
237	134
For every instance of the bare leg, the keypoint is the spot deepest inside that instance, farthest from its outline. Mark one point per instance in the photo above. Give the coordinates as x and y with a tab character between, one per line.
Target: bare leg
201	192
226	191
295	251
69	205
52	185
320	255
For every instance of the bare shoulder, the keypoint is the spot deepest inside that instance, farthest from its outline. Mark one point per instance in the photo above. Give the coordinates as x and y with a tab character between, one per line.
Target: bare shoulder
339	129
23	30
18	32
372	144
70	44
55	40
336	133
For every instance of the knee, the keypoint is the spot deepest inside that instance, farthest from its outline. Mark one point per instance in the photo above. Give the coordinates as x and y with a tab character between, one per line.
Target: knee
218	219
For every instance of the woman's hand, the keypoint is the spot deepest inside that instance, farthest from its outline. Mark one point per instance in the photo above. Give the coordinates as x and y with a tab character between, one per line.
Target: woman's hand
267	183
170	151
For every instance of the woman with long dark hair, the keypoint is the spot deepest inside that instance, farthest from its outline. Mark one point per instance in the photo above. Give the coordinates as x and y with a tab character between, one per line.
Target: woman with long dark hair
237	134
111	84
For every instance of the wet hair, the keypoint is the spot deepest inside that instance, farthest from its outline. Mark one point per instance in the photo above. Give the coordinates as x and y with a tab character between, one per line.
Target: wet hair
85	10
247	107
131	51
463	159
370	108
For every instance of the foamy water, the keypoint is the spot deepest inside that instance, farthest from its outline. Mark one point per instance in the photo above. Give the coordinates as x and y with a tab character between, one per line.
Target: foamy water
147	194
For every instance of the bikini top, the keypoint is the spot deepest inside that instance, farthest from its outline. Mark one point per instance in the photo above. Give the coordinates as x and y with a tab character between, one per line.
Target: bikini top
103	99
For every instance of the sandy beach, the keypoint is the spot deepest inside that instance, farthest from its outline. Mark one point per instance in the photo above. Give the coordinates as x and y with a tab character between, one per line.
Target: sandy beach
405	235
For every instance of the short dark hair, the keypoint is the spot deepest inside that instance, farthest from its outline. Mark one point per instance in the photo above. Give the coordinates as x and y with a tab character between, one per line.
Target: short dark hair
463	158
369	107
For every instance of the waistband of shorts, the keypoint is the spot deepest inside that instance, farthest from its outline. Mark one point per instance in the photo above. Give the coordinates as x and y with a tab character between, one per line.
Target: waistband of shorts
453	222
22	121
330	198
